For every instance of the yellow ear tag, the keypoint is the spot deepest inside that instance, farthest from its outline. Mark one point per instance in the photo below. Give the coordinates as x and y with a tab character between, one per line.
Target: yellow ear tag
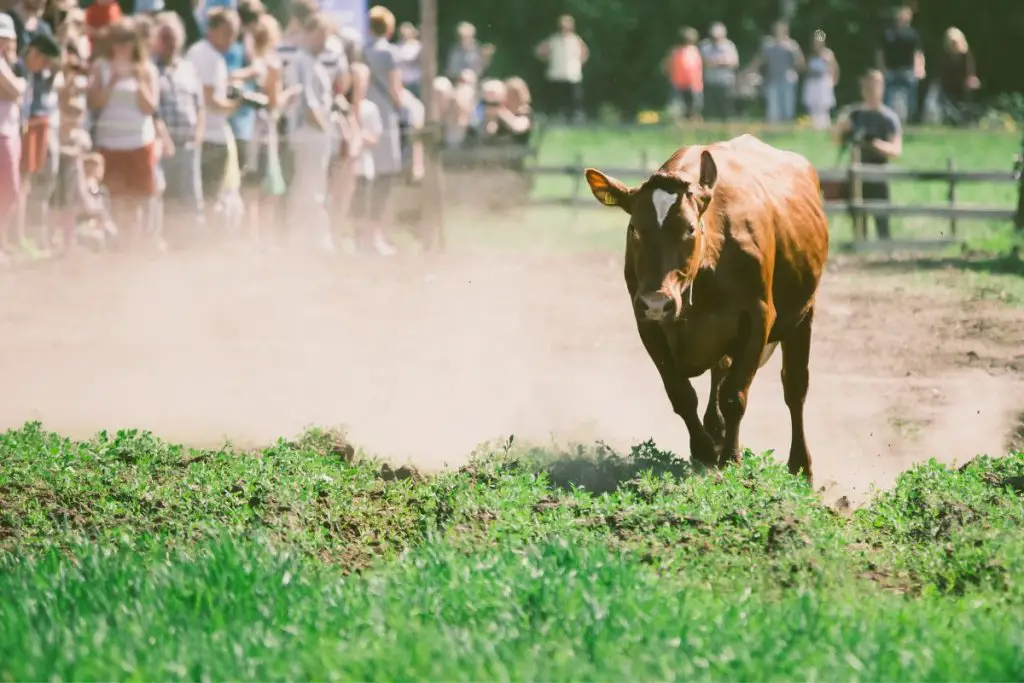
608	199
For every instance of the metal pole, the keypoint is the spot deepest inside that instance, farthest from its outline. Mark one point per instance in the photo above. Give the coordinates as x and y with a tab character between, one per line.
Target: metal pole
433	179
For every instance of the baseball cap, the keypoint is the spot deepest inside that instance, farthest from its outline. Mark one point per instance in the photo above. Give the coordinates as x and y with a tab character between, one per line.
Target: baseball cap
7	26
44	44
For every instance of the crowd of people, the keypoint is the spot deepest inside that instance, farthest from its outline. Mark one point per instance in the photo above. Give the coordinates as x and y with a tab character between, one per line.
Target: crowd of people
117	133
707	78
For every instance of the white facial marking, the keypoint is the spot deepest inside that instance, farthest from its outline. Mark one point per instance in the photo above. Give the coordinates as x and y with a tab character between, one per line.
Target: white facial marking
663	201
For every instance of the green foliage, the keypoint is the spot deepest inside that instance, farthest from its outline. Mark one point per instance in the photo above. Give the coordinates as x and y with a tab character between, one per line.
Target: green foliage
127	557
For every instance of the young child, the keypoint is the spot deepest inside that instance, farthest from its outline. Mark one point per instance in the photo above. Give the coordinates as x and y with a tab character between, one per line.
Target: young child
92	221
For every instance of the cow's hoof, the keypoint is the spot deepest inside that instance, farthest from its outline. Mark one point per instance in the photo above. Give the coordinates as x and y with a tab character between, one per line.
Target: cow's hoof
704	453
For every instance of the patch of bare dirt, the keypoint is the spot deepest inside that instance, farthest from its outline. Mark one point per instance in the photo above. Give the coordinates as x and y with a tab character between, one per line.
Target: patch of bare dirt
423	358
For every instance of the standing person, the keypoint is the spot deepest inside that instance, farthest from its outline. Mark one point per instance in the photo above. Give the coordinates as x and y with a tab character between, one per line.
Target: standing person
467	53
686	75
407	55
721	60
820	82
565	53
181	110
958	78
311	137
123	96
12	90
207	57
901	59
782	60
367	230
385	91
876	130
40	146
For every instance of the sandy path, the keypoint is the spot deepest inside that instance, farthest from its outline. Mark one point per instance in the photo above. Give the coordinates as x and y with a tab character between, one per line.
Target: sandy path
424	359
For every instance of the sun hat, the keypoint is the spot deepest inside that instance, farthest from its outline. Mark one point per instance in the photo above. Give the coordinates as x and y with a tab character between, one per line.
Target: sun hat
7	26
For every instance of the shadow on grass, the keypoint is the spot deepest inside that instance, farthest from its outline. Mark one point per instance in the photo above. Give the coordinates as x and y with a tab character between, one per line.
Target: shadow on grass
599	469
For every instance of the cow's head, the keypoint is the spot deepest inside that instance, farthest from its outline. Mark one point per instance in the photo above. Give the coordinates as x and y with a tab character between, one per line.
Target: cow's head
665	234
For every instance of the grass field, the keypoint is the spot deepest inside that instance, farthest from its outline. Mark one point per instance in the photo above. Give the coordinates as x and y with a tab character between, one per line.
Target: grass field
128	558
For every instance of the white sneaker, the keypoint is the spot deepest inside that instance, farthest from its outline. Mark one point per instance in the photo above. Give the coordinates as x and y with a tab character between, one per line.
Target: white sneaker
384	248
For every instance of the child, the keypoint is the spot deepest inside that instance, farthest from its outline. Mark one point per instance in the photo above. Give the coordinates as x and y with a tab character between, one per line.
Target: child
366	202
92	221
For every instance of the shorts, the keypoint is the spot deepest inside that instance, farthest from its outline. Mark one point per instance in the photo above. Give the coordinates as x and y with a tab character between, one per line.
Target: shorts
35	143
130	172
213	166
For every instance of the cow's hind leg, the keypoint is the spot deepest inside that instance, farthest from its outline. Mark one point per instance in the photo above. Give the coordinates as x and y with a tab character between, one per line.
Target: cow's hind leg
796	353
714	423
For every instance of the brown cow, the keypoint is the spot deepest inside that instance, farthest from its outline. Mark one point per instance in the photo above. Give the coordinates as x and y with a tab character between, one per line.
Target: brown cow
725	248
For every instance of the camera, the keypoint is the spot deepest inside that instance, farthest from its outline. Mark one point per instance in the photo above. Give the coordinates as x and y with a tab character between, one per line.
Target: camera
253	99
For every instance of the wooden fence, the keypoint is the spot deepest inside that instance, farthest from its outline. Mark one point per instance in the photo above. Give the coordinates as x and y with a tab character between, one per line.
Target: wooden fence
851	178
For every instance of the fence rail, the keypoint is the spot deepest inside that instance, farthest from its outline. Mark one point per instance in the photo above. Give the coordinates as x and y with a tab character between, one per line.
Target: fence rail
851	178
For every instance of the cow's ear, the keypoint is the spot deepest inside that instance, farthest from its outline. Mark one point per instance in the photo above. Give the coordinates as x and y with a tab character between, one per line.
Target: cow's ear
708	171
609	191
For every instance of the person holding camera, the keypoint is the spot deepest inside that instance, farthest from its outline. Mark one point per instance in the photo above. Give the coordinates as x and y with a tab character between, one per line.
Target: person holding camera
877	132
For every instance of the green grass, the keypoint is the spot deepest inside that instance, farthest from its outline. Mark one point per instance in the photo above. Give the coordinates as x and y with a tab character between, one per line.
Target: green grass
128	558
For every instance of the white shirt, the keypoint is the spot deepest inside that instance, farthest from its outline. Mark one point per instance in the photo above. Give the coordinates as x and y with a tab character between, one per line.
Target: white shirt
121	125
565	58
371	122
213	71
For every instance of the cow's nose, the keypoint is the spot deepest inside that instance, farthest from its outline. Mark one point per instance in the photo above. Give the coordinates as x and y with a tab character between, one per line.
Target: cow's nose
655	307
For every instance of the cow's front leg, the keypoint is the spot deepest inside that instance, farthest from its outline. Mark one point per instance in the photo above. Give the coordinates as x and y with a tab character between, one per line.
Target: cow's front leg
714	422
681	395
746	359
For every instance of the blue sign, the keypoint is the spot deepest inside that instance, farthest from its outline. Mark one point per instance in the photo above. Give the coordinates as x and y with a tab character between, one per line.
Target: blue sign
348	13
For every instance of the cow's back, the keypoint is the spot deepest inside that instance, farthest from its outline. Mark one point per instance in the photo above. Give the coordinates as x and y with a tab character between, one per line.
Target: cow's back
770	199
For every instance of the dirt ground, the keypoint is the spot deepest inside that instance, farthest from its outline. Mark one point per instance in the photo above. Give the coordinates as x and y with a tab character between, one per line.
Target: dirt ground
421	359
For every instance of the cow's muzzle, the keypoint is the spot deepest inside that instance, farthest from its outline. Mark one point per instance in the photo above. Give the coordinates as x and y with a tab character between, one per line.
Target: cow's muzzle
654	307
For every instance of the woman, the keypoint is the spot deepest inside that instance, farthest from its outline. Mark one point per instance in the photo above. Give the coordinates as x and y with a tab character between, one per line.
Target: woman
385	91
12	90
820	82
957	76
685	70
123	96
407	55
263	166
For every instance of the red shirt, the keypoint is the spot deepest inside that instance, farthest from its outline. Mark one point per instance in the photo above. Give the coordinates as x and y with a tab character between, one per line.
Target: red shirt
685	69
98	16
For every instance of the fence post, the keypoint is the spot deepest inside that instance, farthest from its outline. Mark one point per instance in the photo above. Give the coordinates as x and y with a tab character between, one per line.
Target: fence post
860	228
577	178
951	169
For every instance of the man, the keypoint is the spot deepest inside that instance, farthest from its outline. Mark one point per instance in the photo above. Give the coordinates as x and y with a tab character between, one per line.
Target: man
181	109
876	131
721	60
782	61
901	59
565	53
311	133
40	147
207	56
467	53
